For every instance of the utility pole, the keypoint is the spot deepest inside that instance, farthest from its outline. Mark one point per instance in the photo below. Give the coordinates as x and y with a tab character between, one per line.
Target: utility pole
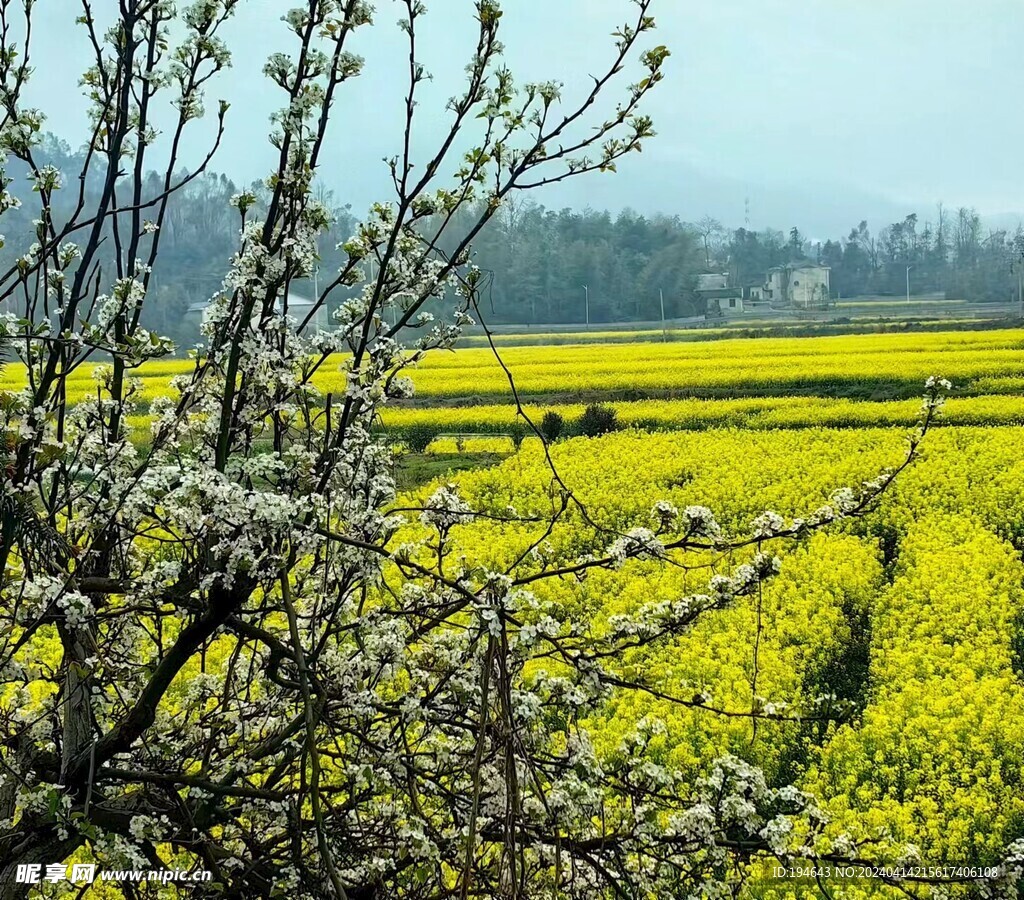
1017	268
318	320
394	307
586	294
664	330
908	283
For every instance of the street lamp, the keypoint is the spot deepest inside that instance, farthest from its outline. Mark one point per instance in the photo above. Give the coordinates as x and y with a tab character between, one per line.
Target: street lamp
908	283
1017	267
586	294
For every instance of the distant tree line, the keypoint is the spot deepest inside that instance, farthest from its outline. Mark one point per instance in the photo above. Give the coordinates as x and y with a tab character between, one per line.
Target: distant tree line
952	254
546	267
198	235
540	260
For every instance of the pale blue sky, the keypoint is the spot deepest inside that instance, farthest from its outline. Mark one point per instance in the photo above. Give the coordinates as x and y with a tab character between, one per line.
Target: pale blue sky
820	111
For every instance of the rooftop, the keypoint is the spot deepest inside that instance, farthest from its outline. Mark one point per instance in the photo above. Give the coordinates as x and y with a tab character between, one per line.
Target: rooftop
800	264
713	281
296	302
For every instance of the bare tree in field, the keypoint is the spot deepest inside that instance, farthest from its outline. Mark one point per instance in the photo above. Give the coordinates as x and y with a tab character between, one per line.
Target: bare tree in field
710	231
223	646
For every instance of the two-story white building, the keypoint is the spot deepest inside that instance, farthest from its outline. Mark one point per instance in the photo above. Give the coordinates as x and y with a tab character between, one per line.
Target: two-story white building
804	285
719	296
797	285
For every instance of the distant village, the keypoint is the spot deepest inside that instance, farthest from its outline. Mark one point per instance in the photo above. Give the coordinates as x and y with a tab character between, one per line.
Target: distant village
802	285
796	285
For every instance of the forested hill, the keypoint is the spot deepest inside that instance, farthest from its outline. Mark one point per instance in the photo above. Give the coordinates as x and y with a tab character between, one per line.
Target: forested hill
544	265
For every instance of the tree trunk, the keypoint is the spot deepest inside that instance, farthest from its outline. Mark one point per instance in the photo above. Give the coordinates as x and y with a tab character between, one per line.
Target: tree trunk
41	850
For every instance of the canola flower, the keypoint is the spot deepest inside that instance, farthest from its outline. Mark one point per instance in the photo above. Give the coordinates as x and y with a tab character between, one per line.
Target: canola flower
758	413
487	429
923	744
766	366
856	324
937	758
977	362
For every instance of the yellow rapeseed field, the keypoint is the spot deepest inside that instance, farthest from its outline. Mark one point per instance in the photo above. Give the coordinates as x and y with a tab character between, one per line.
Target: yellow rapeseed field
913	615
697	414
889	364
927	589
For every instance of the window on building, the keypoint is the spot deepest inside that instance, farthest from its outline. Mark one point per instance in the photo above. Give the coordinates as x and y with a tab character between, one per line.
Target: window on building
732	302
796	284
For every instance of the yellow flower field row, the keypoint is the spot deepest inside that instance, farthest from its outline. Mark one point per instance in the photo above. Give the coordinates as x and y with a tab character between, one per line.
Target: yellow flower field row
579	373
938	755
977	362
743	348
696	414
894	319
487	428
526	338
763	365
935	751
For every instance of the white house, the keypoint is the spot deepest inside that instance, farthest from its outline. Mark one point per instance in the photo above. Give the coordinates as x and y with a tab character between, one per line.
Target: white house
298	308
719	296
803	285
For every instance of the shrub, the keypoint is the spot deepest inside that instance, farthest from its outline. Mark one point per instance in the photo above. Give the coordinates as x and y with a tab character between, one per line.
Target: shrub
518	432
551	426
597	419
418	437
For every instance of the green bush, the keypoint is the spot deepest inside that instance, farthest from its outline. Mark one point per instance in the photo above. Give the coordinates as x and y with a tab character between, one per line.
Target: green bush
551	426
597	420
518	432
418	437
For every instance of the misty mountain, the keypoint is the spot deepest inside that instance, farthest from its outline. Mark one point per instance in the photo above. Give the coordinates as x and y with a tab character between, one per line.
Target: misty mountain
822	210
